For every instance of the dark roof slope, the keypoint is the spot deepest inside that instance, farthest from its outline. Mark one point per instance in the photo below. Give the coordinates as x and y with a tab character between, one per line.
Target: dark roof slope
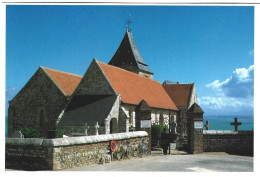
195	108
179	93
134	88
88	109
128	57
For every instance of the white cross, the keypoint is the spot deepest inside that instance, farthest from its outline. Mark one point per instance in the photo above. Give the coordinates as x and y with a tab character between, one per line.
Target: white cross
86	129
96	127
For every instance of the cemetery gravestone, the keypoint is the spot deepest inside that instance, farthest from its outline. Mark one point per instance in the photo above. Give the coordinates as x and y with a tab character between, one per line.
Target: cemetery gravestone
236	124
17	134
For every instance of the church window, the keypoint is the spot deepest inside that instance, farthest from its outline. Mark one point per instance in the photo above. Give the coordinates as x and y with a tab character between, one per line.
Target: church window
161	119
131	117
41	117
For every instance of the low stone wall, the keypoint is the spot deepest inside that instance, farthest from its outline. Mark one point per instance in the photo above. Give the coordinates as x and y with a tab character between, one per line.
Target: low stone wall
62	153
240	143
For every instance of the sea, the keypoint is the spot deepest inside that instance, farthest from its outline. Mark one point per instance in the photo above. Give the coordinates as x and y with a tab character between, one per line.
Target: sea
220	122
217	122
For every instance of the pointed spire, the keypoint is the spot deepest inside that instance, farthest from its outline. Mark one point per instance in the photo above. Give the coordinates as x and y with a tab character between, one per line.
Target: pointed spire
129	58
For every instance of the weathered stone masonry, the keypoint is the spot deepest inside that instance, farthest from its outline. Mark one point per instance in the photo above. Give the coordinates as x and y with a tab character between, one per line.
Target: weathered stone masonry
62	153
39	99
241	142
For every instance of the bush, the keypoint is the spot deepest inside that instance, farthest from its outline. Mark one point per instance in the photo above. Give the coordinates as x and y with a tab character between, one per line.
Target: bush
30	132
157	131
131	129
55	134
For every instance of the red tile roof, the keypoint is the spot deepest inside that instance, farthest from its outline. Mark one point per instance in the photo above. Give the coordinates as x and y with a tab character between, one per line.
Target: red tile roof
66	81
179	93
134	88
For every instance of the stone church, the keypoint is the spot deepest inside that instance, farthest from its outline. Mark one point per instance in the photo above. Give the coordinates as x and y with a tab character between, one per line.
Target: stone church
103	101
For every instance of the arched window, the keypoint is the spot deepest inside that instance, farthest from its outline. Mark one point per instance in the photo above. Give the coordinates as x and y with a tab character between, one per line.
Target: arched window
161	119
131	117
42	116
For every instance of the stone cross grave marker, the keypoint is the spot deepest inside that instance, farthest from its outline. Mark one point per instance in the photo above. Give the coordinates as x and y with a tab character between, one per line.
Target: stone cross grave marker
86	129
17	134
236	124
96	127
207	125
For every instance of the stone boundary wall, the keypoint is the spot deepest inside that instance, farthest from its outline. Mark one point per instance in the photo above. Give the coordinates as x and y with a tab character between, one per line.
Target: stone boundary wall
62	153
232	142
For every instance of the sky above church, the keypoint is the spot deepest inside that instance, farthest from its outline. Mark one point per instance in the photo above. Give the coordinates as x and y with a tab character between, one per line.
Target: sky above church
211	46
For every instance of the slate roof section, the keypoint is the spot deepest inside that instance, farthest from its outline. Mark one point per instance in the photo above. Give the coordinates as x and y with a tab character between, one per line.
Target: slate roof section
88	109
134	88
179	93
67	82
128	57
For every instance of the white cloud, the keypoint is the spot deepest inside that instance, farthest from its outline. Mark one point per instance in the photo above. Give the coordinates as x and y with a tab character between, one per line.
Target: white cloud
240	84
226	105
233	95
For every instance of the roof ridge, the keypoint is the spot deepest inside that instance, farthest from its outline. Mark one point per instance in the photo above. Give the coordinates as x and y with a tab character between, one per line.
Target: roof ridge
61	71
128	71
180	84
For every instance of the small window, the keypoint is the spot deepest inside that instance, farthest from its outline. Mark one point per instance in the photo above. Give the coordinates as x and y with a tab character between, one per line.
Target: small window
131	117
161	119
42	118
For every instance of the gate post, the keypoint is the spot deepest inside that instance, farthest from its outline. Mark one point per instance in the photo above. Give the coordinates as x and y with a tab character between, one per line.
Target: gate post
143	120
195	124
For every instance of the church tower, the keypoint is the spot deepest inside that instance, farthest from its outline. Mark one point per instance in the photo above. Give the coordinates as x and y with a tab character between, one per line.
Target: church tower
128	57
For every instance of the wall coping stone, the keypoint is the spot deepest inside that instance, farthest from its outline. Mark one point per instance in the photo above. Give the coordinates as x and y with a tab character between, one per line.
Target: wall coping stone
219	132
68	141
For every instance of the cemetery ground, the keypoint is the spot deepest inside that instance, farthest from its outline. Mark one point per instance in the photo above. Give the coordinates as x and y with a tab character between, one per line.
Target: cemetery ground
177	162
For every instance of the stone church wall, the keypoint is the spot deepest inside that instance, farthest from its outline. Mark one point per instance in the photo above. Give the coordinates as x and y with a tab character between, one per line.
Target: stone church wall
241	142
158	116
123	121
162	117
193	97
40	98
94	82
62	153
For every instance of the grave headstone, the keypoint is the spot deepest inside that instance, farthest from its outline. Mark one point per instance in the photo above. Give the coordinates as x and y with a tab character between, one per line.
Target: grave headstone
96	127
17	134
236	124
86	129
207	125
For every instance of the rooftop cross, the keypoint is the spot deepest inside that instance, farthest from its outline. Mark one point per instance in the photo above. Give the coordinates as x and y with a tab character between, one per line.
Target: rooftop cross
128	23
236	124
207	125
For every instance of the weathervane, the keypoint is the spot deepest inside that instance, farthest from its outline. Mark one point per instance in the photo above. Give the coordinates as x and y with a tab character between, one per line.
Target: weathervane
128	23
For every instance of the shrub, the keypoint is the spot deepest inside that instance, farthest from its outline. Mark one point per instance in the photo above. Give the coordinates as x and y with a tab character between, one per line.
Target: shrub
131	129
157	131
30	132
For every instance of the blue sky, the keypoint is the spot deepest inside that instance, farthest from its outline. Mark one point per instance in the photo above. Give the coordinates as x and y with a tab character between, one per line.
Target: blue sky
211	46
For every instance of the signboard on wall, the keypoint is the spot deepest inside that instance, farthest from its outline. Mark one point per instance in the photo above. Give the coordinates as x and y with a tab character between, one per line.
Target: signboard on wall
198	124
145	123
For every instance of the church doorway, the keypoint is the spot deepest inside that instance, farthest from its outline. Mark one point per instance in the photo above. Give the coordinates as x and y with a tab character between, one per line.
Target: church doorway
113	125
